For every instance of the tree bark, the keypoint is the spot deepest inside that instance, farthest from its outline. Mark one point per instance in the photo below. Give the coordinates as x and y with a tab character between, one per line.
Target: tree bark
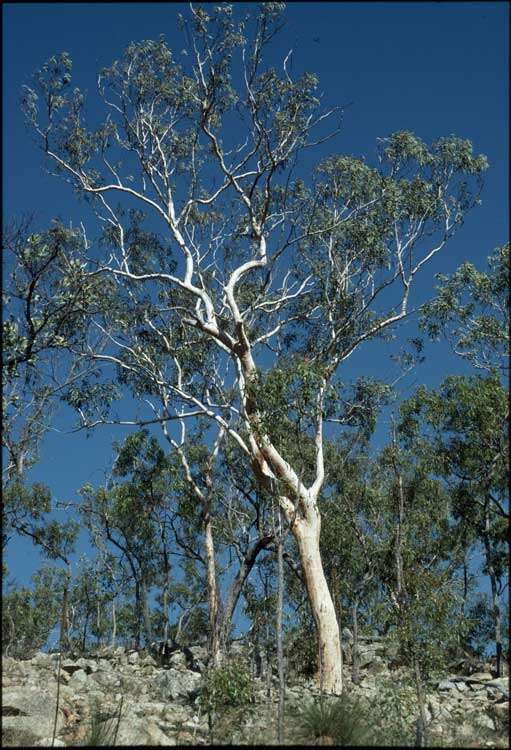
355	674
494	591
138	615
280	649
306	533
145	612
114	624
98	624
213	599
64	622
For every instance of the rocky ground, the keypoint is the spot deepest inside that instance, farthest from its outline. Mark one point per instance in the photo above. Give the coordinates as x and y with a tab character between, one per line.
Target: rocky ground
161	706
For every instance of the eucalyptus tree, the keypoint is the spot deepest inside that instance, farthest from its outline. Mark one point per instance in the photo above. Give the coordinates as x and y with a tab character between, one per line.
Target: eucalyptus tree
29	614
129	516
46	299
419	566
464	426
260	284
472	310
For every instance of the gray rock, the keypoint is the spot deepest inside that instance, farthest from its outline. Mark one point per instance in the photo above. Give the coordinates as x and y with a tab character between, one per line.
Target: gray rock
500	685
141	731
500	715
366	655
178	660
478	677
476	686
172	684
445	685
148	661
483	720
41	659
105	665
70	666
107	680
78	679
50	742
133	658
28	712
347	635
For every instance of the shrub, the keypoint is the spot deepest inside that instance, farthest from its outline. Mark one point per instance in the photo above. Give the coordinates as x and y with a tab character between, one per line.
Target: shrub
393	711
332	721
103	726
229	685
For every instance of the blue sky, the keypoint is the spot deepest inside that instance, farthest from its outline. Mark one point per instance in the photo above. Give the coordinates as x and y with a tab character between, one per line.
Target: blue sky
432	68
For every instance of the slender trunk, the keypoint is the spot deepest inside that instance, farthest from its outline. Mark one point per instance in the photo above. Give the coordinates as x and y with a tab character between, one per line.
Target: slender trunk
494	591
398	544
280	650
422	722
355	674
465	585
145	612
85	626
166	584
306	533
213	599
166	611
98	623
248	562
138	615
114	623
336	596
64	621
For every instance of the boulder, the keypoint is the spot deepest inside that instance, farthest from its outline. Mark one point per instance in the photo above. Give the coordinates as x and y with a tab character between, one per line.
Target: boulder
28	715
70	666
141	731
498	688
78	679
171	684
445	685
178	660
108	680
499	713
347	635
41	659
50	742
478	677
366	654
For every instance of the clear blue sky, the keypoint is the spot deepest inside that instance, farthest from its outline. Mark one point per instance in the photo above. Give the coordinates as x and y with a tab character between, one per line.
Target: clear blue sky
432	68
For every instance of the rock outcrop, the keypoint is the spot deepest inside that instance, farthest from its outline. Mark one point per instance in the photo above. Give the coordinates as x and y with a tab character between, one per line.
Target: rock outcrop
138	701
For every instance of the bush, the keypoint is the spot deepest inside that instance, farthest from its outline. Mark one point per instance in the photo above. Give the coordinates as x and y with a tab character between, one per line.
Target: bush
229	685
332	721
393	712
103	726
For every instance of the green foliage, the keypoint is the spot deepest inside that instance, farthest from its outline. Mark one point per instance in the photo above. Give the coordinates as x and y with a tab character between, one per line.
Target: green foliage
227	686
472	310
339	721
30	614
393	710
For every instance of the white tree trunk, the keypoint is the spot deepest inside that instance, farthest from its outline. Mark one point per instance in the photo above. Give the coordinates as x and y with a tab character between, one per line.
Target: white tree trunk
213	601
306	533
